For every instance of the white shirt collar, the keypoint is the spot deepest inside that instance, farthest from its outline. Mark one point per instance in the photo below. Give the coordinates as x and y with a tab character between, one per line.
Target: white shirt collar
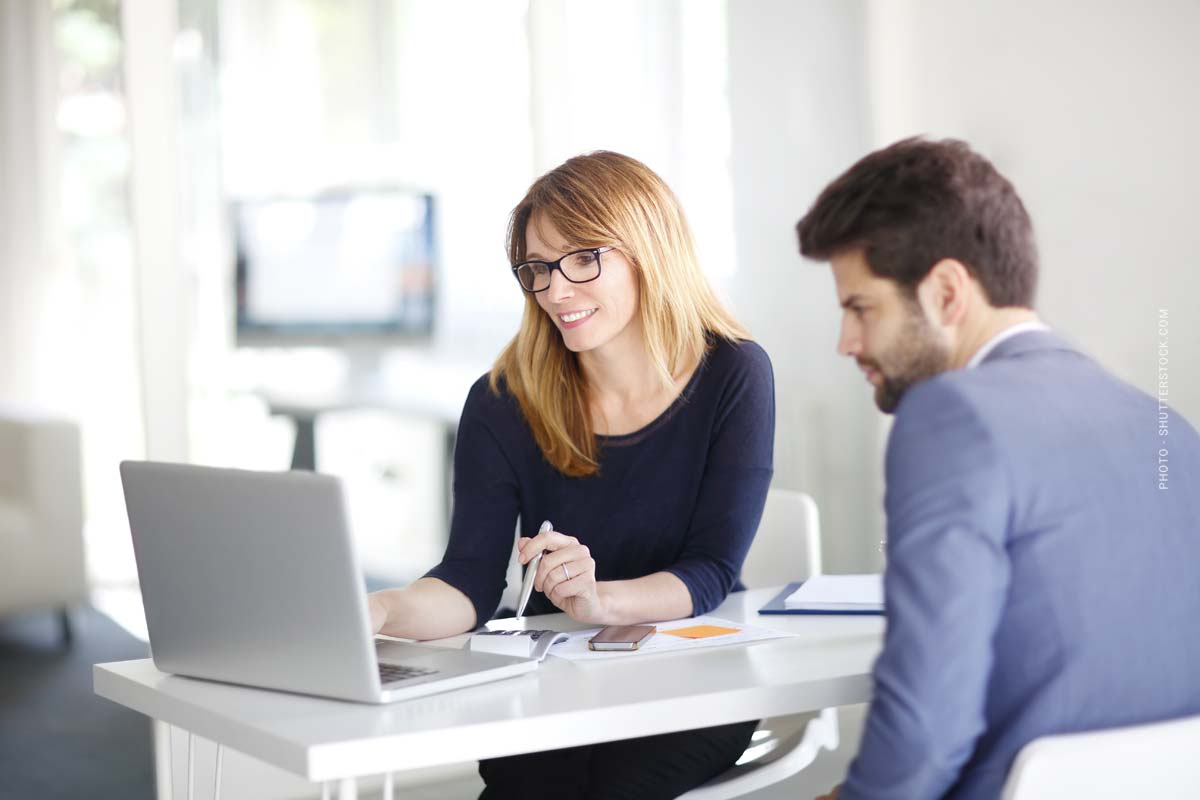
1007	333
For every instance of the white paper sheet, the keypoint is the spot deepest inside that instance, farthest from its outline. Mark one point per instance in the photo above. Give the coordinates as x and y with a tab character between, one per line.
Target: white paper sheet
576	649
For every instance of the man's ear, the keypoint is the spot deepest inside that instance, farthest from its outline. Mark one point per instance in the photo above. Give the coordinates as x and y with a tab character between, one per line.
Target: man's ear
947	292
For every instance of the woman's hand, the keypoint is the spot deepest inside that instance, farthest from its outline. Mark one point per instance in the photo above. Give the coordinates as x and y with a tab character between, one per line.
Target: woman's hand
566	575
378	612
428	608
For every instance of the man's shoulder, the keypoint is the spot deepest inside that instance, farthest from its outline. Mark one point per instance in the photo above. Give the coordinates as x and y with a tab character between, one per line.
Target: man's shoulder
992	387
960	389
1026	400
965	407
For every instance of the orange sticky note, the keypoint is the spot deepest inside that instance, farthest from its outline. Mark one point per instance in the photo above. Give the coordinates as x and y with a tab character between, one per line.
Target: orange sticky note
701	631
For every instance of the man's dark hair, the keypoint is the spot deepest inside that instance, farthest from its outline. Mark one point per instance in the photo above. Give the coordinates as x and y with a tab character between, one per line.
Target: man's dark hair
918	201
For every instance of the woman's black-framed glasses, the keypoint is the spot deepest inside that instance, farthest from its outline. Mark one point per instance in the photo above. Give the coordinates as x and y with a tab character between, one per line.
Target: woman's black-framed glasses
580	266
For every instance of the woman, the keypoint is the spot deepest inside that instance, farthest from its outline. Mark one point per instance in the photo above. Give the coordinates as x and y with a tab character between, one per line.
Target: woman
630	410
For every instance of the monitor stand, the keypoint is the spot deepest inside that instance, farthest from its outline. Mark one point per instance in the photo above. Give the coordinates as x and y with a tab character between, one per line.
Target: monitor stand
364	371
363	385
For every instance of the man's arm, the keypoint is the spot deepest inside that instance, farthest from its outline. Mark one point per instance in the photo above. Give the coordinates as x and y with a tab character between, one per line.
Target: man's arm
948	504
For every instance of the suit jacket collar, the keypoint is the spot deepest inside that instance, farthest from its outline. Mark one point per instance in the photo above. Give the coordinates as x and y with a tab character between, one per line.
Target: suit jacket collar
1028	342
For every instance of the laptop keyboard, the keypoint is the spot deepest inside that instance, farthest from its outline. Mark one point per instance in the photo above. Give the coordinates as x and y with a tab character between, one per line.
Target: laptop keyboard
398	673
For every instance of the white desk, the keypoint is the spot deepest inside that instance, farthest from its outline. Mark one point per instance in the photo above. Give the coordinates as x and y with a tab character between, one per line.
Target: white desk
562	704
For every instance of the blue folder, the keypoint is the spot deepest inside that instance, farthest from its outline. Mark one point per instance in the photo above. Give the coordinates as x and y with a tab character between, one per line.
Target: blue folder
779	606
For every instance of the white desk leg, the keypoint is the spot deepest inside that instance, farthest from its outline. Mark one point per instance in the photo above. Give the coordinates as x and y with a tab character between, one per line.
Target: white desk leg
162	760
217	773
325	790
191	786
348	789
388	787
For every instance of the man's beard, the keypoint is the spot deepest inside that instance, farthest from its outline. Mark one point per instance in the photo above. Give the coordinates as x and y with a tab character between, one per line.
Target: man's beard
918	353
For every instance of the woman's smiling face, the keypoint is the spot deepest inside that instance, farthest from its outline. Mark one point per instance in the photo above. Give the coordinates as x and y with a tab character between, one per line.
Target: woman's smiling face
588	315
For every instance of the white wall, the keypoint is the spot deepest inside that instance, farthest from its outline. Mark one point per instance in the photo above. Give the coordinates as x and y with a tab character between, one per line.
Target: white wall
798	98
1092	111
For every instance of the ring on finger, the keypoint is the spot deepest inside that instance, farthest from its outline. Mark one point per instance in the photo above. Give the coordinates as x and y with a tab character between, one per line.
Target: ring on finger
565	572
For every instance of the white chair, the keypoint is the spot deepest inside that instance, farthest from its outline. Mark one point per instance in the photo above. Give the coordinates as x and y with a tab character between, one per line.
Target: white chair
787	547
1159	760
41	513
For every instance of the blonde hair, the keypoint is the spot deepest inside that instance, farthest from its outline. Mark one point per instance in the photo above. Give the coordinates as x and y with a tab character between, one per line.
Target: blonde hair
595	200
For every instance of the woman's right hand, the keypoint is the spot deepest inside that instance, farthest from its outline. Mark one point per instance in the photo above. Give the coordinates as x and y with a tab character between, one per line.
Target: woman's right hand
566	575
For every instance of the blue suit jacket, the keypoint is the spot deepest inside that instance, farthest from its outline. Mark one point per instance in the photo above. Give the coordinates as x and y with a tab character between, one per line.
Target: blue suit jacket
1038	580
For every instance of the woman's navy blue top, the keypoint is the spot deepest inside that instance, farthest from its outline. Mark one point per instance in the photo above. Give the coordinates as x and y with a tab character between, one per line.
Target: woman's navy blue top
683	495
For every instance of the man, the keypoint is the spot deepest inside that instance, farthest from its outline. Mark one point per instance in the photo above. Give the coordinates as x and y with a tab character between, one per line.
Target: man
1040	578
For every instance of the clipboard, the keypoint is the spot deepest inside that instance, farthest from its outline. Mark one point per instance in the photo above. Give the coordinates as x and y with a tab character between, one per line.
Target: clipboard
778	605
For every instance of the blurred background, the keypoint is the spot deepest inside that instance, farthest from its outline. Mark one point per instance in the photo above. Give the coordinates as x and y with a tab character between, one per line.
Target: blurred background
269	233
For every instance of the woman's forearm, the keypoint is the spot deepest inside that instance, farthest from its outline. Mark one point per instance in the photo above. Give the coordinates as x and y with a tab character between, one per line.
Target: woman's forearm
657	597
428	608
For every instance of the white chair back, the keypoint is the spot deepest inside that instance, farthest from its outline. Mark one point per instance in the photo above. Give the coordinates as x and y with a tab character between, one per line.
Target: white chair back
787	546
1160	760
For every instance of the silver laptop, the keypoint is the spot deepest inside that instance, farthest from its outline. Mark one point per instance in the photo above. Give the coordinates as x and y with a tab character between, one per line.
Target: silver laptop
251	578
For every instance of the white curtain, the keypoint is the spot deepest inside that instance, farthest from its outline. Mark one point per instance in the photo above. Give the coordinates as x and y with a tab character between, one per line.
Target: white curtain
164	306
31	267
647	78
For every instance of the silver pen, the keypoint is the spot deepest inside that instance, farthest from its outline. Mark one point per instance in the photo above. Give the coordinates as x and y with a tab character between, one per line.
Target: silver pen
530	574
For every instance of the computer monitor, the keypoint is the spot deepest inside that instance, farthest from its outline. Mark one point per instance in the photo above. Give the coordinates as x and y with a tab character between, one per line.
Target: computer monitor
354	267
